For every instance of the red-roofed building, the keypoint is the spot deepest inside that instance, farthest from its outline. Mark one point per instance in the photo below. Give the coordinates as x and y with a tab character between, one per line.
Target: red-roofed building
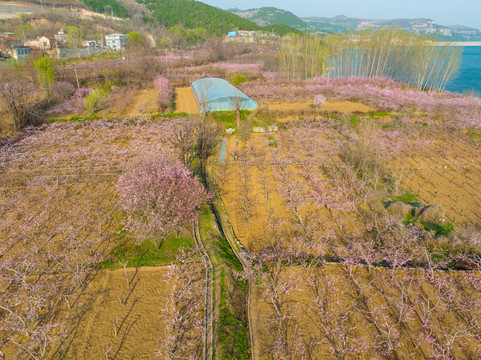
12	42
8	44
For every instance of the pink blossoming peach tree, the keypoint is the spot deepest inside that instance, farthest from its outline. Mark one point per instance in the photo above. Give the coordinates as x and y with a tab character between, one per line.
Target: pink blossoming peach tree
160	197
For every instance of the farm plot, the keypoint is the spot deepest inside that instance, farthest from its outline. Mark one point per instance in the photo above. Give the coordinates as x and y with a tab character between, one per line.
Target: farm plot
448	172
350	312
277	192
324	187
59	220
116	314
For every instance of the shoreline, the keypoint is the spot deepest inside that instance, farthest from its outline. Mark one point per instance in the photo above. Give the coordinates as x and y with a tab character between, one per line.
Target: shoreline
458	43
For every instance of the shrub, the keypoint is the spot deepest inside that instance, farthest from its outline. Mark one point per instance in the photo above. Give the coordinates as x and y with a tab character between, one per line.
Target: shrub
75	104
239	79
97	99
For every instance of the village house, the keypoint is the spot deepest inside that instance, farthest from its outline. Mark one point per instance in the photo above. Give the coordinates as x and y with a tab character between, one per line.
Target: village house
21	51
90	43
7	46
61	37
12	42
116	42
47	42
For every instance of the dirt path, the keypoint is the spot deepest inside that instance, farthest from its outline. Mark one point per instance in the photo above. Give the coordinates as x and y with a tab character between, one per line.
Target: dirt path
209	297
346	107
221	223
185	101
143	103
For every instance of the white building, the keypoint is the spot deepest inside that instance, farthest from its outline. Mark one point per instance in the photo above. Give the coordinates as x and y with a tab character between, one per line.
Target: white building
61	37
116	42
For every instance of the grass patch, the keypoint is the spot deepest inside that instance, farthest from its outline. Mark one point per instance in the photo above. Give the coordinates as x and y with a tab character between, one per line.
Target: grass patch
228	118
170	115
379	114
227	254
439	230
475	135
234	334
409	219
146	253
272	141
354	121
76	118
407	198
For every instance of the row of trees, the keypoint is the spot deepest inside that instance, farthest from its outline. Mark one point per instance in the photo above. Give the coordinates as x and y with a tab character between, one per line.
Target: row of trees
302	55
56	230
391	53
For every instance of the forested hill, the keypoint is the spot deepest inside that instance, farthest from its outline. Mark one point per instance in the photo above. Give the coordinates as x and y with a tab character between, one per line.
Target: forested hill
107	6
193	14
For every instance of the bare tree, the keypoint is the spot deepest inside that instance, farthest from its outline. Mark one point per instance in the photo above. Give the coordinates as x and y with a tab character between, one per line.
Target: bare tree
15	97
247	197
183	140
206	138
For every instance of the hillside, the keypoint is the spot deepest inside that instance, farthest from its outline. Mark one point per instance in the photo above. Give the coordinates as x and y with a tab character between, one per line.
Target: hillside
110	7
107	6
271	15
193	14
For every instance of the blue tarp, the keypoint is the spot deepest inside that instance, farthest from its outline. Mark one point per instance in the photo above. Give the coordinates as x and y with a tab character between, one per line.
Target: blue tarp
223	148
219	95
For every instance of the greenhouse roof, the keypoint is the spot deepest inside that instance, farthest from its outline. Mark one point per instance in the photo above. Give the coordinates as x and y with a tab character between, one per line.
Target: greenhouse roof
219	95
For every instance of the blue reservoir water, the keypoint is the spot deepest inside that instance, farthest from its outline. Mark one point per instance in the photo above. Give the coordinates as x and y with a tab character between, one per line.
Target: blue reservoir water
469	77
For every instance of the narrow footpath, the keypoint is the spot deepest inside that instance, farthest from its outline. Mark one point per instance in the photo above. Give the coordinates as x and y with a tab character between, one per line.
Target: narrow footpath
227	315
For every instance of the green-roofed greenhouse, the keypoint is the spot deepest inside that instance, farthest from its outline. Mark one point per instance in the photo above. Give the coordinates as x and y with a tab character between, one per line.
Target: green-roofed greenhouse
216	94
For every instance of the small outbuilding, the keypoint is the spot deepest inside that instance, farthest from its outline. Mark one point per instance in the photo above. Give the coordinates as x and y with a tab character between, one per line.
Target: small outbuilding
214	94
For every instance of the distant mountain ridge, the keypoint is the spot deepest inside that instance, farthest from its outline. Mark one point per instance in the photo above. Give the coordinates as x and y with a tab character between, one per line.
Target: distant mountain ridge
341	23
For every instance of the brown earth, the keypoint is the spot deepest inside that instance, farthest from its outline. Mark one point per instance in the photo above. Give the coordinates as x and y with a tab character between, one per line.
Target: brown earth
185	101
347	313
258	231
131	329
447	172
143	103
116	316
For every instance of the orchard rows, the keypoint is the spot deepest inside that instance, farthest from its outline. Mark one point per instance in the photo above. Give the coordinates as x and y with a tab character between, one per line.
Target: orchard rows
314	199
59	219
